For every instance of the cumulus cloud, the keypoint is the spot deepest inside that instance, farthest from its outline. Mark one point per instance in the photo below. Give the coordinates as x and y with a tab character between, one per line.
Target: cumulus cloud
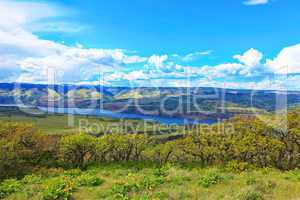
287	61
21	12
255	2
250	58
157	60
76	64
27	58
249	65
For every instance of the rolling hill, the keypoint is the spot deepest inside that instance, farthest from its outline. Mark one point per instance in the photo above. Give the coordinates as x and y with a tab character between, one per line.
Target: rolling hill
196	103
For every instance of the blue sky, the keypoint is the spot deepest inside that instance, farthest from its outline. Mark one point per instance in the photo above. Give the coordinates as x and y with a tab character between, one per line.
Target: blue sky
221	43
182	27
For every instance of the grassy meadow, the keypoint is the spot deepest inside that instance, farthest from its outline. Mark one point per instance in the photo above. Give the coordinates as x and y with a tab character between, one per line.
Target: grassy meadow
141	181
58	124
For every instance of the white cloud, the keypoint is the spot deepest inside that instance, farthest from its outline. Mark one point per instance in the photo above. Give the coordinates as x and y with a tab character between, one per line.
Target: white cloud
134	59
256	2
249	66
135	75
217	71
75	64
192	56
250	58
195	55
157	60
27	58
287	61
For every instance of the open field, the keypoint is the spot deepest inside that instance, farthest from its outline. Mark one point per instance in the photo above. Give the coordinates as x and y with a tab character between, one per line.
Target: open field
63	124
136	181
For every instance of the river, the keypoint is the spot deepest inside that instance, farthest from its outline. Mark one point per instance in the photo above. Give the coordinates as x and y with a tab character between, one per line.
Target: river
111	114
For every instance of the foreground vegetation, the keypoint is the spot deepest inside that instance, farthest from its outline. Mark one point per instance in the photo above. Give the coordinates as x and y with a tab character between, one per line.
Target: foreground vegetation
241	158
144	181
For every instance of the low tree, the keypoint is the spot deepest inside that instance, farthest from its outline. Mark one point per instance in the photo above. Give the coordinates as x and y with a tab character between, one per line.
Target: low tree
77	150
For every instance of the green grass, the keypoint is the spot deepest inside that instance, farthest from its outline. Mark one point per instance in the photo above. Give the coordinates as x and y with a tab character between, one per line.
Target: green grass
141	181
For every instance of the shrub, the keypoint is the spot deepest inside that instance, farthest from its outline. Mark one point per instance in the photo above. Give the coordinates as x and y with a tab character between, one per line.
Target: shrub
78	150
32	179
73	173
148	183
58	188
210	179
161	171
161	153
116	147
9	186
237	166
121	190
8	159
88	180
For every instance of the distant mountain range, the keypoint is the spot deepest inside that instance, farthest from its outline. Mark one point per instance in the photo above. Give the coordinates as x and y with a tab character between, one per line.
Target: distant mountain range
196	103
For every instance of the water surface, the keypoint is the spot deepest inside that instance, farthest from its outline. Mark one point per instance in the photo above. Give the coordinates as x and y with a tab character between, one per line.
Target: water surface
111	114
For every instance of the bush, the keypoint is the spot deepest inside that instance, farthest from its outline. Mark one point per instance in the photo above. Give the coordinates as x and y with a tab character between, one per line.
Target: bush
161	171
210	179
238	166
148	183
121	190
161	153
116	147
78	150
145	184
9	186
8	159
32	179
58	188
73	173
88	180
